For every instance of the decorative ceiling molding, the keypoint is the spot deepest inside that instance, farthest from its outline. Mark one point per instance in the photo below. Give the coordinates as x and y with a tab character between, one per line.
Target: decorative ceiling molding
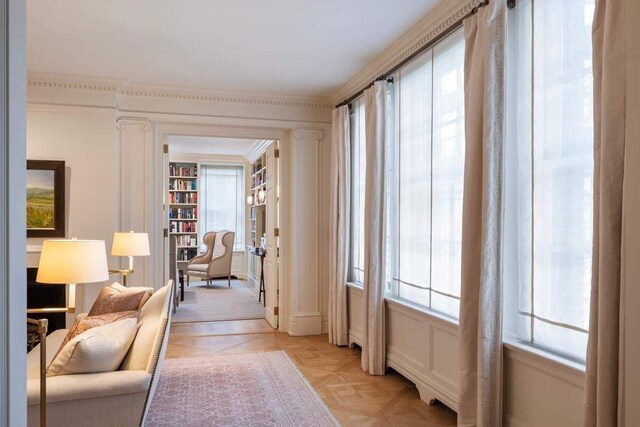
434	23
121	88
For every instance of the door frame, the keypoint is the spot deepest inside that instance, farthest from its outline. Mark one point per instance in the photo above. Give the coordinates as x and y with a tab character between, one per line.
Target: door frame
161	133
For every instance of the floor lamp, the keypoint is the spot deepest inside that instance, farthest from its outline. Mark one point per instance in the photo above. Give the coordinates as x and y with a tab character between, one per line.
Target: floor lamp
129	244
65	262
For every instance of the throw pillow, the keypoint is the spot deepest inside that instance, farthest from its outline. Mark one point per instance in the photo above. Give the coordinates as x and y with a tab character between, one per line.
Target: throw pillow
111	300
147	291
88	322
100	349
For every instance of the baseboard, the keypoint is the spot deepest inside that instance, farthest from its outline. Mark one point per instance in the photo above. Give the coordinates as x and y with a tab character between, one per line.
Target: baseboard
301	324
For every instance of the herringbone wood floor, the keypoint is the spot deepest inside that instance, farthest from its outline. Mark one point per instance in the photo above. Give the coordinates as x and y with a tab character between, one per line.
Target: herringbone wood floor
355	398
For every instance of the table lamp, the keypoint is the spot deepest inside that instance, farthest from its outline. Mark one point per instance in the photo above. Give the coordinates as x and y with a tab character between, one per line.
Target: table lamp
65	262
129	244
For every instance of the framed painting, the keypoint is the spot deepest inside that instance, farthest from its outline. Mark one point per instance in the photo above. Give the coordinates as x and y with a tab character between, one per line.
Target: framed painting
45	198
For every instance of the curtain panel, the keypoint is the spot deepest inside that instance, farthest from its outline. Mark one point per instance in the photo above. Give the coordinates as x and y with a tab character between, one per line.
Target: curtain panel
604	379
340	214
480	346
377	118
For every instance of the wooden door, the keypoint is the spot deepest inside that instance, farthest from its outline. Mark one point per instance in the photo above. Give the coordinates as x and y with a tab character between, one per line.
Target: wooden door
271	264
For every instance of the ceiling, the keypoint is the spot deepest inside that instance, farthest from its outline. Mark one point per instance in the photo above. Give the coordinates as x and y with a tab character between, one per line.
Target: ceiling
293	47
208	145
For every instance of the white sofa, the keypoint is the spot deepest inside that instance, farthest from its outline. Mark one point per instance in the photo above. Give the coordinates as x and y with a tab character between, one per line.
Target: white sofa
119	398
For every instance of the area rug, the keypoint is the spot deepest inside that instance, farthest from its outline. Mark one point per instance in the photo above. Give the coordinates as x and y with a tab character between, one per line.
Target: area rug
218	302
256	389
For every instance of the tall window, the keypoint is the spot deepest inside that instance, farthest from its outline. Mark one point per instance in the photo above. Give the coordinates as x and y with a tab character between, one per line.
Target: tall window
549	174
222	200
358	168
427	183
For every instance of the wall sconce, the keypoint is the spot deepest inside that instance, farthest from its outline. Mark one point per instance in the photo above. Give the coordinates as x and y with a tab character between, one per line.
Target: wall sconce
261	195
250	200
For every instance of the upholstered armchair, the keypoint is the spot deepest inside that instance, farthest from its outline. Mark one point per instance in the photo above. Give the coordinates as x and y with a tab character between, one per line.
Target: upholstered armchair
216	262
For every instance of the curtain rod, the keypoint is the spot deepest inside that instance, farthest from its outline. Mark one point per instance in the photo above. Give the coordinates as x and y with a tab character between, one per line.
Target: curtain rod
445	33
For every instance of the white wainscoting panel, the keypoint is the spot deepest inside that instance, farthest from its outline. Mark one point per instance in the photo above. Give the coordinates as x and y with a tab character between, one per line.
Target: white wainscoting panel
539	390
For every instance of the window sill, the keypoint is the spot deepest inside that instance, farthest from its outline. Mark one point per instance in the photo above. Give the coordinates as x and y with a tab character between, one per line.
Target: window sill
423	311
545	360
353	285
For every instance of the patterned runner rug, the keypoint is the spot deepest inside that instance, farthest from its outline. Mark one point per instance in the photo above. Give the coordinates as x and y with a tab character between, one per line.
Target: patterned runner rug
218	302
256	389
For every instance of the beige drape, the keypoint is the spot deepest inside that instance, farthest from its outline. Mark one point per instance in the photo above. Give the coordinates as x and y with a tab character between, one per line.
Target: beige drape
373	334
340	208
480	346
604	379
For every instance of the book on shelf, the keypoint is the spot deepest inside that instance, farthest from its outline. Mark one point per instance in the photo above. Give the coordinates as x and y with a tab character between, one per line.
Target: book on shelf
183	170
183	198
177	184
183	213
183	226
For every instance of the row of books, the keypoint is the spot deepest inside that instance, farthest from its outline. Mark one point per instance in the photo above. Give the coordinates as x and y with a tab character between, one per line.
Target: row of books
183	213
183	226
183	198
176	170
186	254
256	168
186	241
181	184
257	180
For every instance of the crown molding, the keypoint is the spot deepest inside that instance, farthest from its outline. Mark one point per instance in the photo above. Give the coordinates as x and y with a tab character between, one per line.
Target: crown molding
121	88
257	149
439	19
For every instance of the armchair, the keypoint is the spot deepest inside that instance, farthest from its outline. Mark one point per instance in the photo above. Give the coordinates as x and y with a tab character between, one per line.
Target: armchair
216	262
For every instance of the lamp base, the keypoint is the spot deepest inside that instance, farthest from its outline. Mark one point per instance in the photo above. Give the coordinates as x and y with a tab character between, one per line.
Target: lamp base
42	325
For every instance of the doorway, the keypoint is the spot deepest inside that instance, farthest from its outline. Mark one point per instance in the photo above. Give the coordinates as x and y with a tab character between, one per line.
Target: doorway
221	216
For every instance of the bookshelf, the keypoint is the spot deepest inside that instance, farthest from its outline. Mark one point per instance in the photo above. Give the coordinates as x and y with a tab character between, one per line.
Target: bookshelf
258	193
183	209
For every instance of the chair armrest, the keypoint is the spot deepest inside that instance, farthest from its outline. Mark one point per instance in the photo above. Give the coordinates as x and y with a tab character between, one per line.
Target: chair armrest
200	259
87	386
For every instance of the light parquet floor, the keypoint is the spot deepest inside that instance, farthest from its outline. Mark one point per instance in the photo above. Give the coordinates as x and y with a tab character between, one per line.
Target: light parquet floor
355	398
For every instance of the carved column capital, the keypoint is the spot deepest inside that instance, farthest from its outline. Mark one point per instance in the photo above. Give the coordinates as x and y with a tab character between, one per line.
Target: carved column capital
124	123
313	134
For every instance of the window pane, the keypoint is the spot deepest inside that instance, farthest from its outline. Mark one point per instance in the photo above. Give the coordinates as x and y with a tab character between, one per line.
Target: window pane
222	201
427	178
358	169
448	171
551	157
415	172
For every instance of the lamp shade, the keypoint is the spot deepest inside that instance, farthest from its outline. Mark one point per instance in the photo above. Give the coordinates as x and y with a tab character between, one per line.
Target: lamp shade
73	261
130	244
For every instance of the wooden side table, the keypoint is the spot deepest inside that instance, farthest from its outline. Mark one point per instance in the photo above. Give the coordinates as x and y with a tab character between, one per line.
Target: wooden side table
261	293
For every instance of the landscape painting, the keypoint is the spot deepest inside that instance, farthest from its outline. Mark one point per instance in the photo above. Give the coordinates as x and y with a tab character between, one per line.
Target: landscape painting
45	198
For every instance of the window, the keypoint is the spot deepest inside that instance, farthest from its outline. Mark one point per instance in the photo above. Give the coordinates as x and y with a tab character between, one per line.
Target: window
427	182
549	181
222	201
358	168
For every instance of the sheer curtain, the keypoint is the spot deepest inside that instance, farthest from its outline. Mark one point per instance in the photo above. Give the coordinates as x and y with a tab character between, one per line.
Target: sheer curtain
550	166
222	201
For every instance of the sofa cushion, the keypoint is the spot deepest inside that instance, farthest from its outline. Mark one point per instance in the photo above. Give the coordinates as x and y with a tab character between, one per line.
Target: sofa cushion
54	341
112	300
147	291
100	349
198	267
88	322
151	328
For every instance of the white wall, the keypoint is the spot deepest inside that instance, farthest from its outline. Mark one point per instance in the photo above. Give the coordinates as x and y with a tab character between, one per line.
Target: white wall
86	141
